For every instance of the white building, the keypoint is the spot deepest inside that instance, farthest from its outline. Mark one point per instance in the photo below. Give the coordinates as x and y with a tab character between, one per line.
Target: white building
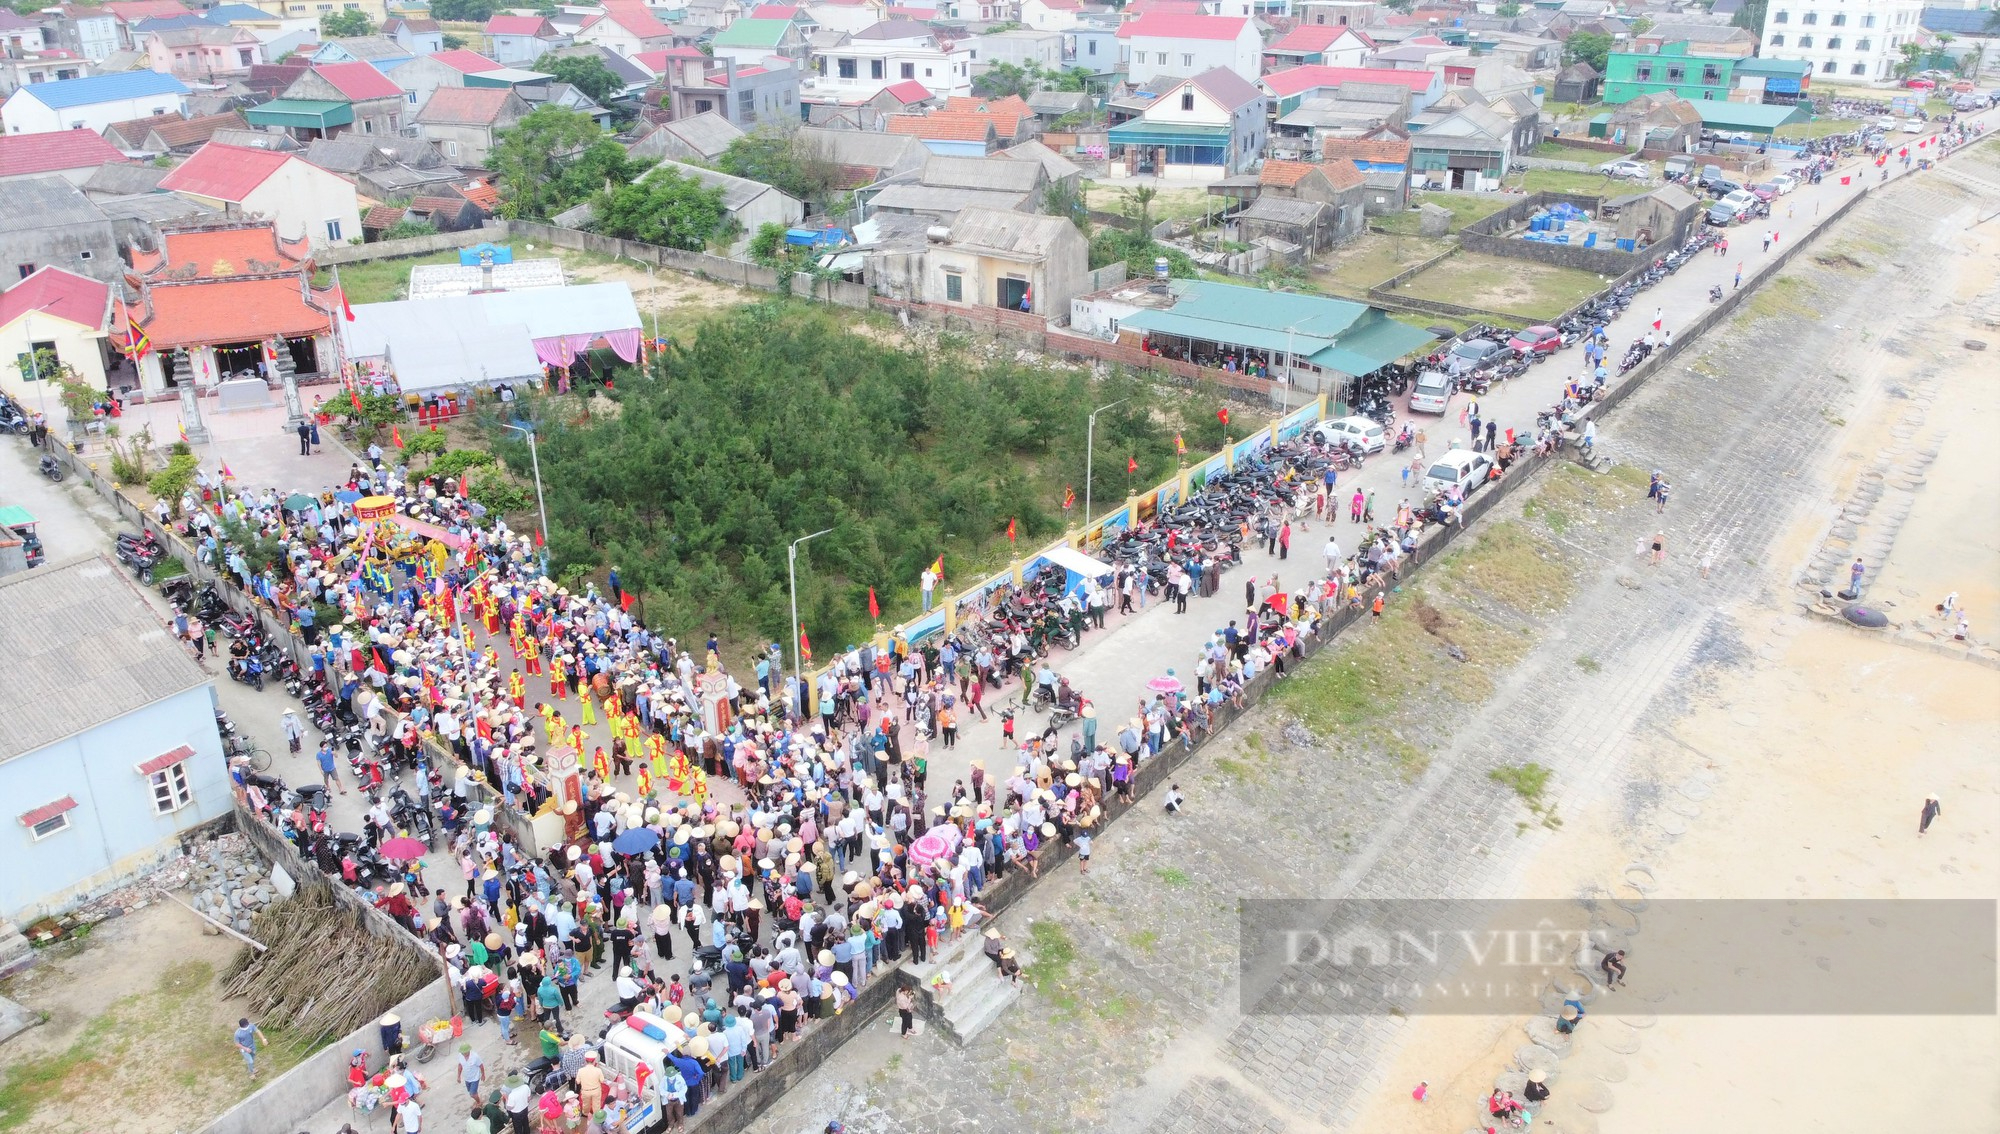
887	53
307	202
1179	46
92	103
1858	40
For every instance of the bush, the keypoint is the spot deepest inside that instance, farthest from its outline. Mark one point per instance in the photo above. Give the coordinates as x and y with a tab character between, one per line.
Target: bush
425	444
457	462
169	483
498	494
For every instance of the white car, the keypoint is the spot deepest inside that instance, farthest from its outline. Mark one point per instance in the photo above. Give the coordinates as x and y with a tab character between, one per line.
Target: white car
1461	467
1912	126
1364	432
1627	168
1885	123
1432	392
1784	182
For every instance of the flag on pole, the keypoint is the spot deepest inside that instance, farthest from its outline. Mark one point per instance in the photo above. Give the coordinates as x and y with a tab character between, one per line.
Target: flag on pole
538	537
1069	498
1180	446
1010	528
183	427
464	486
354	399
346	308
1222	415
380	667
226	474
1131	464
938	567
805	644
626	599
874	608
137	345
271	352
396	436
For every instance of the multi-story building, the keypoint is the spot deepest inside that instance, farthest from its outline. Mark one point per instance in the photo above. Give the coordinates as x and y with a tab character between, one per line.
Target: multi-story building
1180	46
890	52
1856	40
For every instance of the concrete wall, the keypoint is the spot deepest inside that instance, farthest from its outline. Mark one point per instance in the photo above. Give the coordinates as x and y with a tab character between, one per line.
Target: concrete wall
23	241
496	230
114	830
1486	235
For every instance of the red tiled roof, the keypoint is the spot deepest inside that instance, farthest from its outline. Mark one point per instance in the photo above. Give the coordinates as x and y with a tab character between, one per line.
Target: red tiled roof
1296	80
222	252
1173	25
177	132
466	62
485	196
53	291
656	61
166	760
47	811
382	217
132	11
231	311
358	82
1343	173
477	106
1284	172
908	91
1356	149
852	177
721	78
774	12
449	205
943	126
1013	106
1309	37
1063	5
635	17
225	173
22	154
514	25
1139	8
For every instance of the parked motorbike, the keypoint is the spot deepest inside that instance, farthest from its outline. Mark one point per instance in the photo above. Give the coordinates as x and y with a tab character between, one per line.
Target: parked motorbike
51	467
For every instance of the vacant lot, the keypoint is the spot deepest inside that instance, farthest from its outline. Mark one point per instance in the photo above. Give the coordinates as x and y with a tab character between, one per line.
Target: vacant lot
1169	203
1494	283
136	1035
1362	263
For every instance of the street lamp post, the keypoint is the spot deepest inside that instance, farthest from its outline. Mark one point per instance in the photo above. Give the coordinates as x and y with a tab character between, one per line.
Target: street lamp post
1090	453
541	506
652	296
792	568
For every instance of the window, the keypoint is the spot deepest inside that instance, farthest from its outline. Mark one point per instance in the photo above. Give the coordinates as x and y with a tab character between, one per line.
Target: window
333	230
954	288
927	72
909	70
1809	18
1187	60
1778	40
1643	73
847	68
1839	19
413	98
1868	21
1858	69
170	785
1187	100
1805	41
84	255
874	68
1093	48
1863	44
1676	73
51	825
746	105
1833	43
1827	67
1783	18
450	148
26	270
1711	75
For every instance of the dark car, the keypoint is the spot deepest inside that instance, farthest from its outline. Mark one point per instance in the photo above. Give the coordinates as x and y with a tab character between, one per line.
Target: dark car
1539	339
1470	355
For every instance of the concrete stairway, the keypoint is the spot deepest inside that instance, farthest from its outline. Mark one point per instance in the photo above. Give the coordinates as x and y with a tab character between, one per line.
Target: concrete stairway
978	994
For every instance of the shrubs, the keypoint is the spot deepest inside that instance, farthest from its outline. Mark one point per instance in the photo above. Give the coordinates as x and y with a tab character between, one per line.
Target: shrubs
169	483
459	461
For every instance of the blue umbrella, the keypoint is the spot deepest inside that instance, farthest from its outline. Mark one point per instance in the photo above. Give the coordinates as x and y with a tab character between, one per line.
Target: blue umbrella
347	496
638	840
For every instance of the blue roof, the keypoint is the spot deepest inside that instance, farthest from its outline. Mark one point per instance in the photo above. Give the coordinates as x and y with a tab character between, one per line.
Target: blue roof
223	13
65	93
1971	20
172	23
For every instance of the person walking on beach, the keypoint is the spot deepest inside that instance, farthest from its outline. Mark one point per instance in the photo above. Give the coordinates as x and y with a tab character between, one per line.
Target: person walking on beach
1931	811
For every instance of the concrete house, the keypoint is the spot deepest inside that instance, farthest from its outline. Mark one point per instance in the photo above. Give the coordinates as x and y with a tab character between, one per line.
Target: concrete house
751	204
745	96
701	138
92	33
948	185
203	54
1164	44
346	97
418	37
865	61
387	169
72	155
1051	15
955	132
1312	206
1384	162
111	751
54	225
362	49
305	201
989	258
464	120
516	40
59	311
93	102
1200	129
627	27
1331	45
165	133
749	41
418	77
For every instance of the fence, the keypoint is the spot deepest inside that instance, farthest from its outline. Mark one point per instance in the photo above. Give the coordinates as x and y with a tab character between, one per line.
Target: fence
412	246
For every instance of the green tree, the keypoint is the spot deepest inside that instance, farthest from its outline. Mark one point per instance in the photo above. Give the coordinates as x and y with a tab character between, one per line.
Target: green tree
661	208
1137	203
345	24
586	73
1588	47
406	228
424	443
1508	10
1641	25
462	11
1912	60
782	159
454	42
1750	17
1003	79
553	159
1060	200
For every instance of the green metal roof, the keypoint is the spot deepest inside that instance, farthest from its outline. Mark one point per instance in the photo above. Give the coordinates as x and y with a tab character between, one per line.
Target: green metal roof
1277	340
1754	117
13	516
752	33
1786	68
1367	348
1139	132
315	114
505	77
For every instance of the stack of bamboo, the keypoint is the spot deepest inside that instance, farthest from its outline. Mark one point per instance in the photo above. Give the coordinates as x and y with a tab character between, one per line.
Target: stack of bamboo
324	973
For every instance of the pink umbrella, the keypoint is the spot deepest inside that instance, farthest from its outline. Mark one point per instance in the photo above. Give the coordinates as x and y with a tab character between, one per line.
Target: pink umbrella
1165	683
403	849
936	844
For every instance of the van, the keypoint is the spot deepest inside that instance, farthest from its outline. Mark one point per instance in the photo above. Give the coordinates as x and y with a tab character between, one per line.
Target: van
1461	467
1679	165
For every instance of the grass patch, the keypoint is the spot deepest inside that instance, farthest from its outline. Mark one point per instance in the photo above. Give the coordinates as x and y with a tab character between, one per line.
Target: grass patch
1168	205
1588	664
1173	875
1464	208
1144	940
380	281
1365	262
1563	181
1055	955
1494	283
1529	781
1817	128
112	1064
1786	295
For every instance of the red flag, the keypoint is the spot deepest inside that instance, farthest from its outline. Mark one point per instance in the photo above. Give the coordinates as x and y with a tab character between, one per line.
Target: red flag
379	667
538	537
1069	498
874	608
1010	527
354	399
1131	464
396	436
1222	415
465	486
805	644
346	308
626	600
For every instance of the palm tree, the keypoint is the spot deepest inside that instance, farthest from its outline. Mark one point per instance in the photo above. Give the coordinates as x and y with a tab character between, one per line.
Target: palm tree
1138	204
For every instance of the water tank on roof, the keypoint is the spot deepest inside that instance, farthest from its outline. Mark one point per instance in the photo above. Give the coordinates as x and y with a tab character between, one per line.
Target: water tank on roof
1161	269
937	233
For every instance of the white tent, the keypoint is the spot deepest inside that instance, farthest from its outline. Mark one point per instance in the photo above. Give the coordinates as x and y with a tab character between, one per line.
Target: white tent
472	340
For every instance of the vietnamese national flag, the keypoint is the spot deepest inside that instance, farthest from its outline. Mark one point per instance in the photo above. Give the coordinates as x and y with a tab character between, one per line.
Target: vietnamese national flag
396	436
538	537
874	608
1010	527
465	486
379	666
346	308
1222	415
1131	464
626	600
354	399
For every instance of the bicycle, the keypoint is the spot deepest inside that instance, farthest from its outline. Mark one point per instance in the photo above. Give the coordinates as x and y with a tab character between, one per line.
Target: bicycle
259	758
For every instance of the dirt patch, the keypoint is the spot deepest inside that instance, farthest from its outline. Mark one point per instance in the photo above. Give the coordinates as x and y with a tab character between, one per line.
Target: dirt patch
136	1035
1838	260
1494	283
